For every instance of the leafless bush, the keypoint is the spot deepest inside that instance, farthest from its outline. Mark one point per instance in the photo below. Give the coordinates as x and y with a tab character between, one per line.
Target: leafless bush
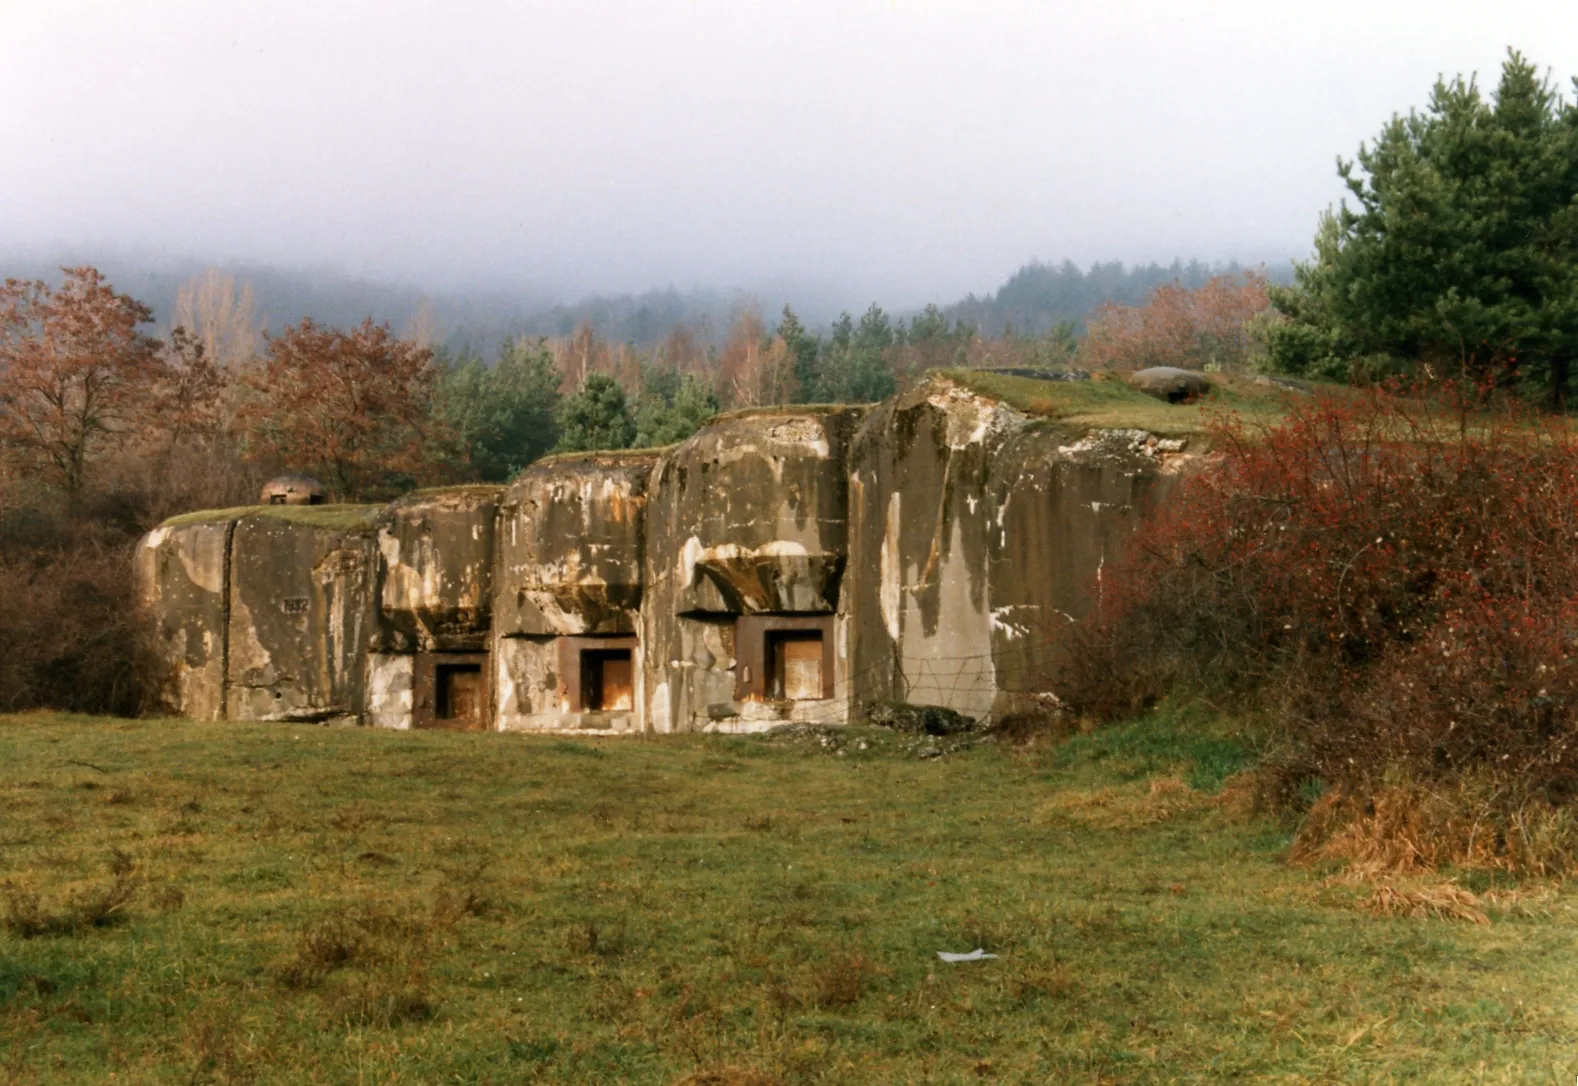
70	637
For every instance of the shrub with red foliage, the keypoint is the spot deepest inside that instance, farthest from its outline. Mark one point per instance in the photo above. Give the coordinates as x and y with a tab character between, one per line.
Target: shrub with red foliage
1394	581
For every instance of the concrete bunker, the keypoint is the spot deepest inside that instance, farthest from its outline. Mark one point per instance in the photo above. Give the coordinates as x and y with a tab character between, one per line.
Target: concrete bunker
978	534
293	490
569	588
428	666
746	553
782	565
597	674
182	573
302	605
450	690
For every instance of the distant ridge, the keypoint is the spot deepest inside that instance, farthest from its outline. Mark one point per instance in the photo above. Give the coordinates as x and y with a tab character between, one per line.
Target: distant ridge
1032	301
1039	296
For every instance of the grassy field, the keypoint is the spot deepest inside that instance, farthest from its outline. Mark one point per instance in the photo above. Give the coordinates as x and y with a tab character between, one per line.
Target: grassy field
292	904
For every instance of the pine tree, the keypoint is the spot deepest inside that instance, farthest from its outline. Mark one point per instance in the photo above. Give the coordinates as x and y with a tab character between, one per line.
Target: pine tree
804	347
854	367
502	418
596	417
1459	257
673	407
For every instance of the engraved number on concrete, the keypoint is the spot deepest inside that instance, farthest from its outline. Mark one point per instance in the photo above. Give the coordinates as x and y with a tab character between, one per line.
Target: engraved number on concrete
294	605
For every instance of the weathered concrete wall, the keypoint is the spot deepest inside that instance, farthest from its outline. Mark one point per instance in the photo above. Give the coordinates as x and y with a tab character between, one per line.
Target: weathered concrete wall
1065	505
390	689
922	517
436	550
303	607
181	573
571	537
747	517
531	691
977	538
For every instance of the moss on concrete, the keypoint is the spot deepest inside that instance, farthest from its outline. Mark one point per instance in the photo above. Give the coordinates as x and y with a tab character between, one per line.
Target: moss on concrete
478	490
340	517
772	410
1106	402
604	456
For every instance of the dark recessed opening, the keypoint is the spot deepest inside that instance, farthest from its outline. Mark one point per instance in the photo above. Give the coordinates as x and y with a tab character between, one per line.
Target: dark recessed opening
607	680
457	694
277	499
794	665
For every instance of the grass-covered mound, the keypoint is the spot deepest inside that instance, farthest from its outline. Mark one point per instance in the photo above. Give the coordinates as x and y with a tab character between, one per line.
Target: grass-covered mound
275	903
1105	401
341	517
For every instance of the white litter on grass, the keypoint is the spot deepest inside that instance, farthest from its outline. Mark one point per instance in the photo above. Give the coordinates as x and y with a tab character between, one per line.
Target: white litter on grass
976	955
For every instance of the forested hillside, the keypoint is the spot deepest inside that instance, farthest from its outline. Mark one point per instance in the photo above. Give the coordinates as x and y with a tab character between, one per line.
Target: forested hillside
1033	301
1038	296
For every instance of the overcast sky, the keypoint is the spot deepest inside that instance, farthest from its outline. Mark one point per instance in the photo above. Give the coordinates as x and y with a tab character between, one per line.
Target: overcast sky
892	148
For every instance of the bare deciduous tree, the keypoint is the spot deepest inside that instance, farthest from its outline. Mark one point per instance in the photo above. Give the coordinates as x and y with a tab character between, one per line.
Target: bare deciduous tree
755	368
422	328
223	319
1207	328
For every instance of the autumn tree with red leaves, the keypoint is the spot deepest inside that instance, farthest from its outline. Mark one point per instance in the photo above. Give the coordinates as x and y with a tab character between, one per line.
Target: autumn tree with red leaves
350	407
76	374
1212	327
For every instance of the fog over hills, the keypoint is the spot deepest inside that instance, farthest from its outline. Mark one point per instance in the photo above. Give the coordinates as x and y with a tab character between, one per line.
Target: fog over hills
1031	300
507	161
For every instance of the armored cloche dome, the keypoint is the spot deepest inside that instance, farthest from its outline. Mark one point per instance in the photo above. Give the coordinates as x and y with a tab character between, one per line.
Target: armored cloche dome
293	490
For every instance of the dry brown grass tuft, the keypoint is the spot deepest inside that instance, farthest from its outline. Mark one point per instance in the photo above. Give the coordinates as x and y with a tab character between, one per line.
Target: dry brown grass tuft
1044	982
384	1000
384	955
1472	822
216	1045
842	978
1443	900
465	891
321	948
1126	806
592	938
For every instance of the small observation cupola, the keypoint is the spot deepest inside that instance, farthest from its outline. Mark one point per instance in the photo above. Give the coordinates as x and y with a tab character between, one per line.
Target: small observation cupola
293	490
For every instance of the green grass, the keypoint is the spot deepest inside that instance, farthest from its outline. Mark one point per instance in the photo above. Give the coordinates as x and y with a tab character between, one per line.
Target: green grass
1106	402
1179	740
340	906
